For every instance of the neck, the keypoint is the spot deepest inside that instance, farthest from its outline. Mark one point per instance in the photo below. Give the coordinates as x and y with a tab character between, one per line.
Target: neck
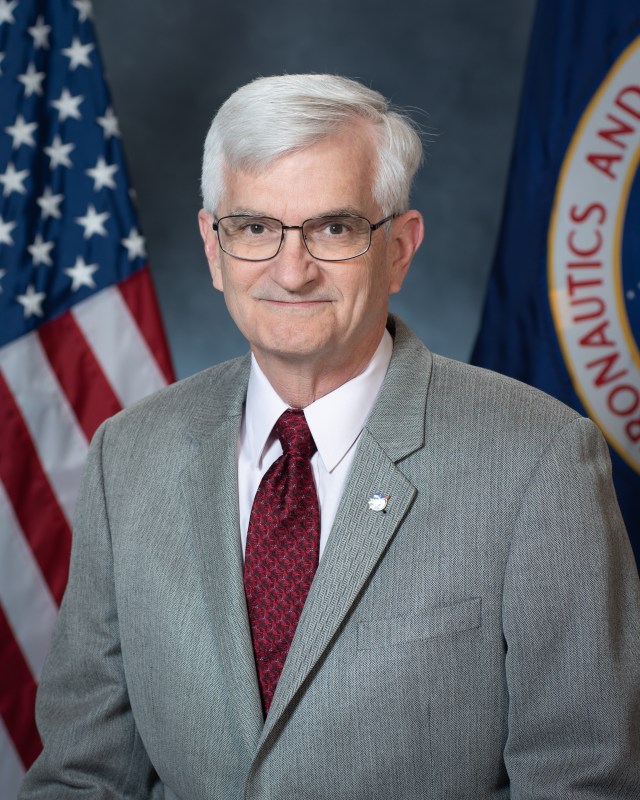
299	383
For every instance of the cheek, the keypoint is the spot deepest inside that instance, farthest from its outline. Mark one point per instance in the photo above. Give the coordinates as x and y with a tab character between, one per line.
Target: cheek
239	310
368	289
236	286
227	277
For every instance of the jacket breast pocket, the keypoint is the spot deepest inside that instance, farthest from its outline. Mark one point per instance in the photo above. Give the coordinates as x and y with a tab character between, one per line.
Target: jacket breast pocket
426	624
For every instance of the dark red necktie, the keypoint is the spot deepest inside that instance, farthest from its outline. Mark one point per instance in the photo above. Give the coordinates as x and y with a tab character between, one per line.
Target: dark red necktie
281	555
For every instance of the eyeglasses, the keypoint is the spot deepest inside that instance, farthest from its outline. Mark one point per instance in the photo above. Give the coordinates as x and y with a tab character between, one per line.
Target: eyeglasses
334	238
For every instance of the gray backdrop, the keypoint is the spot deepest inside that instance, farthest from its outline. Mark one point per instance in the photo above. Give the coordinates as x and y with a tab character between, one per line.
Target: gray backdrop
170	65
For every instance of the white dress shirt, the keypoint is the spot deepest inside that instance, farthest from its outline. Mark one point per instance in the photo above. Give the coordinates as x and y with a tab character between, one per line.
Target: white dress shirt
335	421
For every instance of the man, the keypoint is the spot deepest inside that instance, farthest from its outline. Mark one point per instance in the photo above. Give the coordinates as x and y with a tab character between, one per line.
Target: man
472	626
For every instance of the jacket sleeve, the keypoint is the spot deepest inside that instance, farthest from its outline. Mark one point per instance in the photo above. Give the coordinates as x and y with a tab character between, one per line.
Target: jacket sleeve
91	745
571	617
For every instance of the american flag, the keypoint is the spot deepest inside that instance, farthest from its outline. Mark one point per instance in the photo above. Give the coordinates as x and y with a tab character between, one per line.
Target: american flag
80	333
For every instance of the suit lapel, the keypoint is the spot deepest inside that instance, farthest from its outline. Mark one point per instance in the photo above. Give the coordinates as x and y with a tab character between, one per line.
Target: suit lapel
211	500
360	536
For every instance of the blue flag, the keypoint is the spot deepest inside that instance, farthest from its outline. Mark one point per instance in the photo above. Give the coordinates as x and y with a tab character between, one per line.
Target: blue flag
562	310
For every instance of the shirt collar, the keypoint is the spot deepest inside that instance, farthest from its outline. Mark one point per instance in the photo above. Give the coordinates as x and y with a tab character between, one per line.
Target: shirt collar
335	420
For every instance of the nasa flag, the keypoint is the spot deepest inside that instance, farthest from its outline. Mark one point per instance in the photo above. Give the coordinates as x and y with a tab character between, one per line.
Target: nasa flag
562	310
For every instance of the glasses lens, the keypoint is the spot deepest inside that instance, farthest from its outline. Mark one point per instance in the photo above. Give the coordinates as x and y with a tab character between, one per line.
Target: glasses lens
337	238
251	238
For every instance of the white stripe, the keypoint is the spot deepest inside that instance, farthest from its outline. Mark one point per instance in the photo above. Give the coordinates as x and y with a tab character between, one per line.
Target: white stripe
28	605
11	769
58	439
119	346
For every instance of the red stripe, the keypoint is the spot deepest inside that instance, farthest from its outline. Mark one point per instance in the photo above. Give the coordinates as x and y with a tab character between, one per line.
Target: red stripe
17	696
139	295
78	372
36	506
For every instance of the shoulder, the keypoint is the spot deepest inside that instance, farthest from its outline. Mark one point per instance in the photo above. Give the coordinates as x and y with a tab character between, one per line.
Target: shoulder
506	436
477	415
197	401
462	397
478	393
500	421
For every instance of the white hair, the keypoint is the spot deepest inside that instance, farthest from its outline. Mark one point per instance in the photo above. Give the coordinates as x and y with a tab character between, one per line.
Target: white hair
269	117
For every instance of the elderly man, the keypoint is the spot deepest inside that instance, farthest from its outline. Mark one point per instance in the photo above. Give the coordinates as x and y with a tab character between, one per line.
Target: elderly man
342	566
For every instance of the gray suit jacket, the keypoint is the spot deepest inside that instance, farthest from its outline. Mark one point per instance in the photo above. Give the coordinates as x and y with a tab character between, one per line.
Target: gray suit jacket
480	639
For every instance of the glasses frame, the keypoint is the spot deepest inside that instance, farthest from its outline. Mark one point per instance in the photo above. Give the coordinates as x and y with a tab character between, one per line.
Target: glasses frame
373	226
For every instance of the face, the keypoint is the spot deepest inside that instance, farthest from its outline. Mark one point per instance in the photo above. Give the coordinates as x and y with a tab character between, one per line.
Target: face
294	310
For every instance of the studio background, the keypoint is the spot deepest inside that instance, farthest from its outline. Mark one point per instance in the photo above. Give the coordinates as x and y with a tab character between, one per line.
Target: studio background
460	63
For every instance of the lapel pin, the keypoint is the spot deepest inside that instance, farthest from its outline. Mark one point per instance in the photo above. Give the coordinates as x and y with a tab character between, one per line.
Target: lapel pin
378	501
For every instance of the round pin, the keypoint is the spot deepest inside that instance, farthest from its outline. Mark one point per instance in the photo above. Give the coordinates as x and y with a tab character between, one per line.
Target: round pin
378	502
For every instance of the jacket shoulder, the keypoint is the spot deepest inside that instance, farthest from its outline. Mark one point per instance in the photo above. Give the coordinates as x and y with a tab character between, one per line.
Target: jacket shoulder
501	403
215	392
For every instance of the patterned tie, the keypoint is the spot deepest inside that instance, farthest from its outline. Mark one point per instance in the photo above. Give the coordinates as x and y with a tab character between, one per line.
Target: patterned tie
282	549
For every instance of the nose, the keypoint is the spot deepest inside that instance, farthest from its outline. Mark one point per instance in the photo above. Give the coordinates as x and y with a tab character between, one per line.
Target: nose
294	267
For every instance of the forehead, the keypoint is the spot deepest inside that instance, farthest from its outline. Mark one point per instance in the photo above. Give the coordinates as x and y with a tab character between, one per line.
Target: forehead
336	174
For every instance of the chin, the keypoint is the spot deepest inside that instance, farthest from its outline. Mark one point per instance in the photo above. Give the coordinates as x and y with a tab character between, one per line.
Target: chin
295	350
292	336
291	345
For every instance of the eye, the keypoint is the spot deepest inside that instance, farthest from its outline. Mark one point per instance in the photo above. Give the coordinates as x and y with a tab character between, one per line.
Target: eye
335	227
251	227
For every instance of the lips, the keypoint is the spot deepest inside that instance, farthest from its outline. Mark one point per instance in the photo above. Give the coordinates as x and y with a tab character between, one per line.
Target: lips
302	303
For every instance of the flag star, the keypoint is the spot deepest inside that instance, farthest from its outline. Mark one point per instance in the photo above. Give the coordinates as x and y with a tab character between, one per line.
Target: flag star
50	204
67	105
41	251
32	80
6	10
5	231
22	132
13	180
84	9
109	124
3	272
93	222
40	33
134	244
102	175
59	153
78	53
81	274
31	301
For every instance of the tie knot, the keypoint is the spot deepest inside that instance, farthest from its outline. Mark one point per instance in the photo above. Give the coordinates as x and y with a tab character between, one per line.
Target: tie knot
294	434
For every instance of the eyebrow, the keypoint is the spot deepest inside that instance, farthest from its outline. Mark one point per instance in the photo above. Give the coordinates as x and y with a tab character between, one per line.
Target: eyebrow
246	212
342	211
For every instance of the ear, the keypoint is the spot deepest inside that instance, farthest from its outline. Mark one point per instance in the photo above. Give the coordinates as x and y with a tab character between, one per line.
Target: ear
211	247
406	237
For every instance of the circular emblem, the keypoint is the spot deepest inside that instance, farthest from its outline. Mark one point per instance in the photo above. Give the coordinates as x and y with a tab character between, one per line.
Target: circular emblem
594	257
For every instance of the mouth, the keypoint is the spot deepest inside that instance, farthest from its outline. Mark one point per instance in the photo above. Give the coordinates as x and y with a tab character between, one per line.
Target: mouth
294	305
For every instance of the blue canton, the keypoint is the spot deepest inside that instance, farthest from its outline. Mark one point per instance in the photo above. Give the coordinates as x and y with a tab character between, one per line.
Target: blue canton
68	226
